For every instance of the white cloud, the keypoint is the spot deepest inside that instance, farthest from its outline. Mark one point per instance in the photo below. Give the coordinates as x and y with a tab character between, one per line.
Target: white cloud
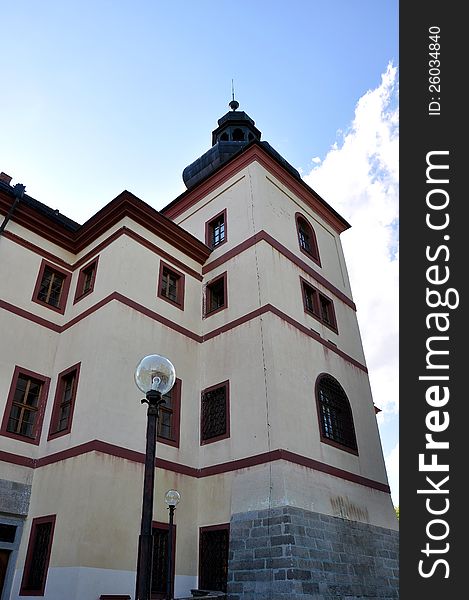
359	178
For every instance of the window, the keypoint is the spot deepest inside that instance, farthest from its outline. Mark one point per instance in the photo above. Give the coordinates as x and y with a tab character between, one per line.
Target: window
86	279
238	135
171	285
307	239
215	414
160	559
64	402
216	295
213	557
25	406
52	287
319	306
37	557
335	414
215	231
168	420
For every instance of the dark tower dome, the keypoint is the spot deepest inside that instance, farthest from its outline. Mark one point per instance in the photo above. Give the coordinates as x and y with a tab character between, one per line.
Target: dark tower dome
235	130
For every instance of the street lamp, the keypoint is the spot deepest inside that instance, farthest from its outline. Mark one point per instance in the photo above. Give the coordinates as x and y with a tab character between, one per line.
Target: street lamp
155	376
171	498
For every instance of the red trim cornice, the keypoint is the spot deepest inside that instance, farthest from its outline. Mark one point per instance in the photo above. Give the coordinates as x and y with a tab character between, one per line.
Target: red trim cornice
255	152
264	236
124	205
94	251
218	469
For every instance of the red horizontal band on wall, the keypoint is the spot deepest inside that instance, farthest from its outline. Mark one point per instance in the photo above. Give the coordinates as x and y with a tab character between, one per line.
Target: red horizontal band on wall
227	467
268	308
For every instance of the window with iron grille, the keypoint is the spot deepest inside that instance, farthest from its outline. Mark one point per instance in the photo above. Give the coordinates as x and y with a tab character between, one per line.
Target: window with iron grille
160	559
215	230
86	279
37	557
52	287
64	402
319	306
168	419
215	421
307	238
335	414
213	557
215	295
24	409
171	285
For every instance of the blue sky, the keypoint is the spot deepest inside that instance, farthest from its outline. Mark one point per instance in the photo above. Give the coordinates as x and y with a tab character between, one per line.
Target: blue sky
103	96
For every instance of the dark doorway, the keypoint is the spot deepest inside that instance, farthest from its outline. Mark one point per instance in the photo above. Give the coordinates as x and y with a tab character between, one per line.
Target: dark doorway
213	557
160	560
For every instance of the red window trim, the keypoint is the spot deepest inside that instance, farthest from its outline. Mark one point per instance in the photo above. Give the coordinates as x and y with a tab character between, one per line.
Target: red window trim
165	527
40	409
219	527
66	286
209	230
180	285
227	433
207	299
314	256
325	439
305	284
32	538
57	400
81	277
176	417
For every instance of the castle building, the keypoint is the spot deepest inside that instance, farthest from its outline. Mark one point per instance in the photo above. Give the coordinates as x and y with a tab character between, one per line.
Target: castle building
270	432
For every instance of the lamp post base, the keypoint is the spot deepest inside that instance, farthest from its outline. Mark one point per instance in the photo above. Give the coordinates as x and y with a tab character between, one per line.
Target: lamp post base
145	557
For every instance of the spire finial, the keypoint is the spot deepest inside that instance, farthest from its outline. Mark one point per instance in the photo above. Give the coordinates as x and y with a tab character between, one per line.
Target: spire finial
233	104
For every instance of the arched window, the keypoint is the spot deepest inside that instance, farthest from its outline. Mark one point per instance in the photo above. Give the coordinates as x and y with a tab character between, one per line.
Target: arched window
224	137
335	414
307	238
238	135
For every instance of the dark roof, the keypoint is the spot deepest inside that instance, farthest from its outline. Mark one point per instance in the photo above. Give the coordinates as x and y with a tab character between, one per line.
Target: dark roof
50	213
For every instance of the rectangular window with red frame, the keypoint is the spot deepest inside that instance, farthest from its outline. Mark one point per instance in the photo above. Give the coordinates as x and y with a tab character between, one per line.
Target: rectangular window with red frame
319	306
215	230
169	416
38	556
86	279
52	286
171	285
64	402
216	295
25	406
215	413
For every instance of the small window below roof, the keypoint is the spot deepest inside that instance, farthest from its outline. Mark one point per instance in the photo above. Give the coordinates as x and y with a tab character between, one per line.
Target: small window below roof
307	239
215	231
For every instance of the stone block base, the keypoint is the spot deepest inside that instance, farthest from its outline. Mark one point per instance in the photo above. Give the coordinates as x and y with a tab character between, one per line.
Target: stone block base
288	552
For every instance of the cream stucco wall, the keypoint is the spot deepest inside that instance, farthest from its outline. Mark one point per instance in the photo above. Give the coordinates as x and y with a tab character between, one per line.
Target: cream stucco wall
270	363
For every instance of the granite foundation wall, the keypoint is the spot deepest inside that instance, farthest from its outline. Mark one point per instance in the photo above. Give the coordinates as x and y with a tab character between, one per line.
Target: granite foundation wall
288	552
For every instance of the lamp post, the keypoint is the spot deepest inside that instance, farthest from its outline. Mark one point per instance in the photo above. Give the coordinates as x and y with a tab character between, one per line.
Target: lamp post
155	376
171	498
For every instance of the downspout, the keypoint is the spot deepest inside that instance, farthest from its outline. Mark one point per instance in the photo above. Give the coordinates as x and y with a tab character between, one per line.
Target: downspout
18	192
